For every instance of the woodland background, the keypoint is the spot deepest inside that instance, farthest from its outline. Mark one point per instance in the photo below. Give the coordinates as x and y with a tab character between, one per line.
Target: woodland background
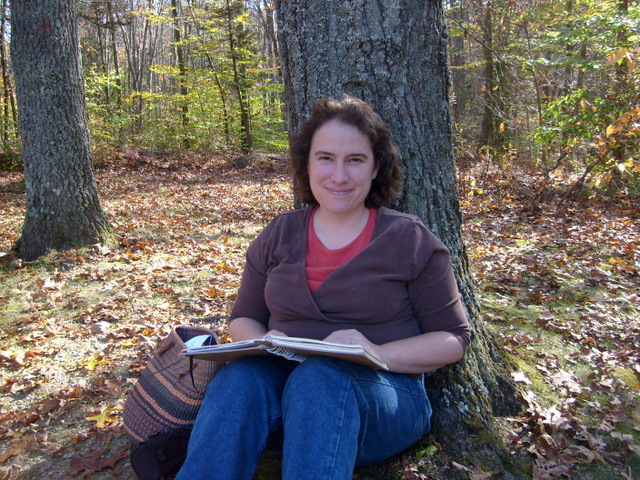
188	132
543	88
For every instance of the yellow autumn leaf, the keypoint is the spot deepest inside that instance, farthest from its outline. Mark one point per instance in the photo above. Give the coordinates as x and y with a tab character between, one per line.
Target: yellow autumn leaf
616	57
131	342
147	332
501	127
611	130
106	416
94	361
214	292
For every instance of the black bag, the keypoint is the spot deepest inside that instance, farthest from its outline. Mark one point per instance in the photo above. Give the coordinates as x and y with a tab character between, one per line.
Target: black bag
161	409
161	455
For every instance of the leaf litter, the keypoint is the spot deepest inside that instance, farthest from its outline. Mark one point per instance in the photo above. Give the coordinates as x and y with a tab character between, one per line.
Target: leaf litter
559	288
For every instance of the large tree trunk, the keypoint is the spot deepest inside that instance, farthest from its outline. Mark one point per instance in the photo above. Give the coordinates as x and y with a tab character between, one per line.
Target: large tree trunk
63	208
393	55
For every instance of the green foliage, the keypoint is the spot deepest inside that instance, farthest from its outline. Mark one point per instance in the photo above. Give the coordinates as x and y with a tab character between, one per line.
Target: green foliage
572	96
10	157
268	117
224	96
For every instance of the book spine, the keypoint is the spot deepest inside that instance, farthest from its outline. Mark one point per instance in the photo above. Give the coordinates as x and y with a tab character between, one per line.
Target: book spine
286	353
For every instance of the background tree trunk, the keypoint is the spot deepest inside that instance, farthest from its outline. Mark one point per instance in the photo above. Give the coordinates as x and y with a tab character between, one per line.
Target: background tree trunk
457	54
63	208
182	70
393	54
9	117
235	33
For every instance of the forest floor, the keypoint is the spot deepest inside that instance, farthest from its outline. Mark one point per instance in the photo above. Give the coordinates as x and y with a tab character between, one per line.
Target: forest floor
559	287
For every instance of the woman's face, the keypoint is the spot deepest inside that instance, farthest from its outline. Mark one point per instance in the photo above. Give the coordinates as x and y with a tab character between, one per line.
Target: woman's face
341	168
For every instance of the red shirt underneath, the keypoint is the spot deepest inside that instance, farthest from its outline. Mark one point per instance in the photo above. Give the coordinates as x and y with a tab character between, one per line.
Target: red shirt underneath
321	261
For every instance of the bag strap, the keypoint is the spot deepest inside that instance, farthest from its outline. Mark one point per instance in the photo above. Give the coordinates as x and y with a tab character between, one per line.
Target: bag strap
193	381
210	341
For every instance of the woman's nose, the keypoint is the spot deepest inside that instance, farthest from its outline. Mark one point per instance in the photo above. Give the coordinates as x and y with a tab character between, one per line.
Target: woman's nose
339	174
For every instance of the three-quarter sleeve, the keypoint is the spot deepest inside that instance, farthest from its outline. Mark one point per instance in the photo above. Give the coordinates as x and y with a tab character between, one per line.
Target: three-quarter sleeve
434	294
250	301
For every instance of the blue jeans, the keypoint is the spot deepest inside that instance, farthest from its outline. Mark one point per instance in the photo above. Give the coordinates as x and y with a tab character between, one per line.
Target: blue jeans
335	415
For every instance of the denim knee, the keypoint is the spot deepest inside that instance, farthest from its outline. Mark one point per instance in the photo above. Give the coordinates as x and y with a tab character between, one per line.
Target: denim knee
389	411
327	367
321	421
240	410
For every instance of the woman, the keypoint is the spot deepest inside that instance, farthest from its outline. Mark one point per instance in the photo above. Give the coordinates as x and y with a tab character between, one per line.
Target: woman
346	270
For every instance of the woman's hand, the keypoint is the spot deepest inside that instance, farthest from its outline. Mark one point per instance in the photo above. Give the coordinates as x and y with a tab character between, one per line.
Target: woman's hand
276	333
418	354
354	337
348	337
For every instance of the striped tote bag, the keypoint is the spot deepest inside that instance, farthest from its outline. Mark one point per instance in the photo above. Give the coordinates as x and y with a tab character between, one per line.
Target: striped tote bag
169	392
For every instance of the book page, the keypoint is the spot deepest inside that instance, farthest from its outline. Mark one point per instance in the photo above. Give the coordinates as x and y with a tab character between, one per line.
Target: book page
294	348
309	347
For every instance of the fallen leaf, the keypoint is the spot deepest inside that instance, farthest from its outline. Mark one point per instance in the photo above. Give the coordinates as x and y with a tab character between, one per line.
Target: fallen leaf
97	359
520	377
106	416
412	474
89	464
17	447
48	405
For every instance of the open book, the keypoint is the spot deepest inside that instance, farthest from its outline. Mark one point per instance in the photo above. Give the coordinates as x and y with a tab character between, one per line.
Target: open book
293	348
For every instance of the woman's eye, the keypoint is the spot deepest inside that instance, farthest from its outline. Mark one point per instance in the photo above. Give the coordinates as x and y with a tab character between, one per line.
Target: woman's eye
356	160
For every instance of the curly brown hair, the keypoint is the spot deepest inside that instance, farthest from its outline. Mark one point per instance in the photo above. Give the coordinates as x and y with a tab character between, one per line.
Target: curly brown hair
352	111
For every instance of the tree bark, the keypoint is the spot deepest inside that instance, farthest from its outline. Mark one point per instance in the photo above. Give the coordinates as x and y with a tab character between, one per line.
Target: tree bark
239	75
457	54
63	208
111	25
9	119
182	70
622	74
487	128
393	55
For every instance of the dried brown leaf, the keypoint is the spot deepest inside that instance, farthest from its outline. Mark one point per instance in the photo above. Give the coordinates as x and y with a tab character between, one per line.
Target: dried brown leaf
17	447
